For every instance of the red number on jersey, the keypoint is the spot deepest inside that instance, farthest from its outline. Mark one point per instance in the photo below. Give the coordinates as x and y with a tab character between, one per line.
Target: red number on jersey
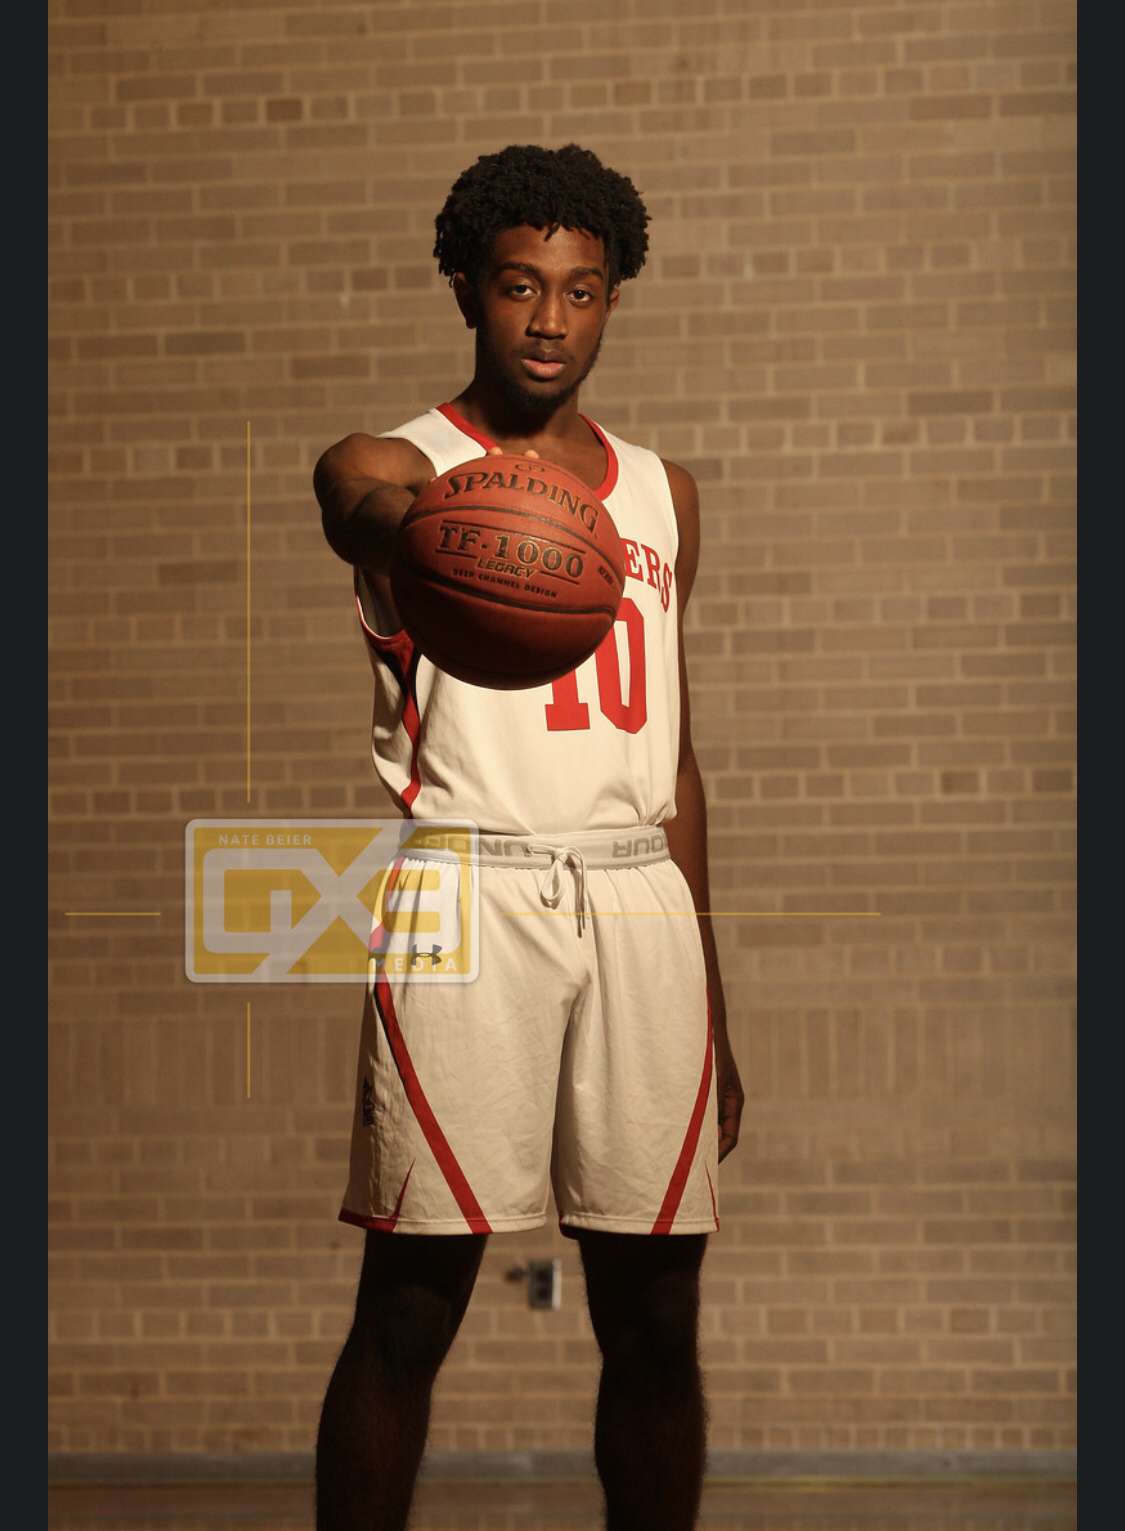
565	711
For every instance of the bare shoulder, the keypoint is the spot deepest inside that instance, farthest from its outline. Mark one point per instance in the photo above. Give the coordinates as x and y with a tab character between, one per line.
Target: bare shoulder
685	499
390	459
685	491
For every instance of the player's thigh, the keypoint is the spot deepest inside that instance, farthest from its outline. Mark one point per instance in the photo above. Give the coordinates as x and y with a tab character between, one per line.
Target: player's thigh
635	1151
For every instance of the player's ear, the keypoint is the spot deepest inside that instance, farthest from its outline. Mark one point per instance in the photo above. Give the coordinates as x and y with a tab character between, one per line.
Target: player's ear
467	301
611	301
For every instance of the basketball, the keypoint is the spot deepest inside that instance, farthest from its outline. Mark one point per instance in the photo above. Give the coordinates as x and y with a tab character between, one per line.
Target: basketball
507	572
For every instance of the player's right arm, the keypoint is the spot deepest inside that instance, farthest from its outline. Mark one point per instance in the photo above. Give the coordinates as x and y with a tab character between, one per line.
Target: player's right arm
364	486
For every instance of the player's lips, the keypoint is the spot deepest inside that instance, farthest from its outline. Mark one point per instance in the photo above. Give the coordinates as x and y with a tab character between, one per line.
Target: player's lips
543	367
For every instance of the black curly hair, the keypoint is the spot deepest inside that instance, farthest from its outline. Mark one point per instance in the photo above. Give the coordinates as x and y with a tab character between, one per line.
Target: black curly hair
545	188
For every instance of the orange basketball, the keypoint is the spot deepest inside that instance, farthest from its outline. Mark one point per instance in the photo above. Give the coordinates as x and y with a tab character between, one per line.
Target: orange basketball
507	572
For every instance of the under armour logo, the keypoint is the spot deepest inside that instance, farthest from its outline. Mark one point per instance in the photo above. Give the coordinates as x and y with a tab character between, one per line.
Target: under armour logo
433	955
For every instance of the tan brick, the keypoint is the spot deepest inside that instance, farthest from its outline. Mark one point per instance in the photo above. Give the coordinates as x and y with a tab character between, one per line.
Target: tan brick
856	329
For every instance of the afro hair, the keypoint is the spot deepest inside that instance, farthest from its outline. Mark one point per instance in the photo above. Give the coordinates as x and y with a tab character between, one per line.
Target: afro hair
545	188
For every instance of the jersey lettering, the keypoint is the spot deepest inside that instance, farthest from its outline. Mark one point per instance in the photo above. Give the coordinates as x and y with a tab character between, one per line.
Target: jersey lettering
654	570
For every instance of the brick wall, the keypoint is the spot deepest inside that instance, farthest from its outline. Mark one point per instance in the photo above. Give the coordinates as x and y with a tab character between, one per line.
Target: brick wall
856	330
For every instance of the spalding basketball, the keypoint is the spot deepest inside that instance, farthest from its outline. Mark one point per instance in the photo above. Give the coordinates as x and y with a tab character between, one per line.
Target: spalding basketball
507	572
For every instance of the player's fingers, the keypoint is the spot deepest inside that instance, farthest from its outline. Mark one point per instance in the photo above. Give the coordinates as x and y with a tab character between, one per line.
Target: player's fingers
728	1131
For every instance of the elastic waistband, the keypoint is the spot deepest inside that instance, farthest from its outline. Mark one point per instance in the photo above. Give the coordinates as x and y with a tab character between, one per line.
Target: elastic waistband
598	848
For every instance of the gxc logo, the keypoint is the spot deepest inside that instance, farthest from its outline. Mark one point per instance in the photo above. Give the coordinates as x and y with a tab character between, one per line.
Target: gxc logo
330	901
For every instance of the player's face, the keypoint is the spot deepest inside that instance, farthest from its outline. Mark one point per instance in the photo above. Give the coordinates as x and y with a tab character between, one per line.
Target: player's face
542	308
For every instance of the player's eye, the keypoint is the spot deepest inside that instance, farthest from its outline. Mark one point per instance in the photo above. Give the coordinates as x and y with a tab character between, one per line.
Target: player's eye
520	287
581	292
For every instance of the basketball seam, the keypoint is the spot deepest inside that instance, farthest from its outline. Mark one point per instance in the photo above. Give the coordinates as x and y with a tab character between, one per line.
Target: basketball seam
428	576
530	678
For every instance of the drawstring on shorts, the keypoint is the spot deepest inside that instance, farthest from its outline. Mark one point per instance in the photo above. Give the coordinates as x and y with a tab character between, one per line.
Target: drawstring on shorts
550	884
576	850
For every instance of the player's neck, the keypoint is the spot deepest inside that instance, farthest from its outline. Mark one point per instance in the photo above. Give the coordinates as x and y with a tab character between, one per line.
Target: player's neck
500	418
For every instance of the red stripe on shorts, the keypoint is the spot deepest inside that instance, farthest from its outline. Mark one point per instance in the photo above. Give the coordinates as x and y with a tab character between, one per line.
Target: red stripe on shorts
675	1191
439	1145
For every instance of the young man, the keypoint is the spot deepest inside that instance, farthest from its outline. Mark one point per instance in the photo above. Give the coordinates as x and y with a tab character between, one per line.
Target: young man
593	1047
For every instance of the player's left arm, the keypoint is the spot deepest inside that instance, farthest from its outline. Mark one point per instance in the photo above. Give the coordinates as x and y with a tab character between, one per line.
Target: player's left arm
687	831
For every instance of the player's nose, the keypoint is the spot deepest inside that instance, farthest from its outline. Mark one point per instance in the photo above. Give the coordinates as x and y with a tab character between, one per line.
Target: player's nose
548	319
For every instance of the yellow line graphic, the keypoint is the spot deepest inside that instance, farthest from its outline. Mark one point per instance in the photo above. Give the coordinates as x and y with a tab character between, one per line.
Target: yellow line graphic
112	914
705	914
248	611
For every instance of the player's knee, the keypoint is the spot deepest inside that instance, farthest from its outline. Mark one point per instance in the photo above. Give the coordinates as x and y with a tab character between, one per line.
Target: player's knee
661	1324
670	1313
409	1329
413	1293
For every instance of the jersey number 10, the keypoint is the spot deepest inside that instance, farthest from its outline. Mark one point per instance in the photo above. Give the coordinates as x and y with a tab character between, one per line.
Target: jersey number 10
565	711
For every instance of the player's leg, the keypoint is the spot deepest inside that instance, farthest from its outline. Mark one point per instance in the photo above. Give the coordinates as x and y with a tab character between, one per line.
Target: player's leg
633	1168
651	1425
413	1292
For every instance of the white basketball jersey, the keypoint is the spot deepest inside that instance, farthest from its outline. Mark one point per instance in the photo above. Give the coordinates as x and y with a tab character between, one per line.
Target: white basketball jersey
597	749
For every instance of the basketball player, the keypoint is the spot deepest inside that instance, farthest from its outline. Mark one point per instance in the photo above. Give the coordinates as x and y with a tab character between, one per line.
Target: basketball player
592	1050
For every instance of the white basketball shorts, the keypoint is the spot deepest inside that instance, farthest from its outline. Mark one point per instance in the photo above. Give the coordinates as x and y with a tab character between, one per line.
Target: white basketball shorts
581	1057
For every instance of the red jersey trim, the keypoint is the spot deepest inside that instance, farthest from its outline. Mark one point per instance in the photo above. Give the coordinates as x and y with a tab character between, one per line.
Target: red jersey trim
400	642
609	483
456	418
399	655
612	468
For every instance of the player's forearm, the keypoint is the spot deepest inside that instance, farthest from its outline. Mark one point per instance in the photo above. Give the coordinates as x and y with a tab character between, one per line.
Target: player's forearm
360	520
358	510
687	845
